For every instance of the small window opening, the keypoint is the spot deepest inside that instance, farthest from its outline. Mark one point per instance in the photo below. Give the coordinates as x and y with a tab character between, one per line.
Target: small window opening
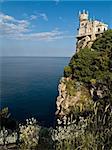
98	29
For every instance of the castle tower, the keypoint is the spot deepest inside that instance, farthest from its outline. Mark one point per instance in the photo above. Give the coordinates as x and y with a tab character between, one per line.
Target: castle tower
83	16
88	30
83	19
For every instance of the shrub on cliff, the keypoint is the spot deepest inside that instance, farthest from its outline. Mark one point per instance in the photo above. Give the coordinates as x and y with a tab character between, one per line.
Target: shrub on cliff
67	71
104	43
88	64
84	64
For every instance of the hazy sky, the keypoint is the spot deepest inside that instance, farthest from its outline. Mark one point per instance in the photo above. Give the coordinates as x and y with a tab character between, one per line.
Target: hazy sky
45	28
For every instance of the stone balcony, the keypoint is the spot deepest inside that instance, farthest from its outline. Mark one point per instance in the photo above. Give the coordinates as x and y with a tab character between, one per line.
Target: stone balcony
88	34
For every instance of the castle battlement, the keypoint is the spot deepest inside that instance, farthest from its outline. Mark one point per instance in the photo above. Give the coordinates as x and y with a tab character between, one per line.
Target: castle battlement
88	29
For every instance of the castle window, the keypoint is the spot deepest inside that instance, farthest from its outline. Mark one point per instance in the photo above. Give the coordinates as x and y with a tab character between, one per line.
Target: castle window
98	29
104	29
82	24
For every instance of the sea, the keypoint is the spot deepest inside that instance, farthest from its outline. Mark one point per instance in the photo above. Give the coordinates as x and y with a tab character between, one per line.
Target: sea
29	87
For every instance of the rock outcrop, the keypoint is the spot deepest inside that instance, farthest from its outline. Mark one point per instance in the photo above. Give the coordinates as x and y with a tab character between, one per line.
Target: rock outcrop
85	42
72	98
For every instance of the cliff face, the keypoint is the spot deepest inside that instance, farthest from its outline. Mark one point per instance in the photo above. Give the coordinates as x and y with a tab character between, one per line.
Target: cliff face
77	98
86	79
85	42
73	95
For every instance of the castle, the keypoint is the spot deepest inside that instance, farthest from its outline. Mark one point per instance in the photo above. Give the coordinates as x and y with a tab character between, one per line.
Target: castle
88	30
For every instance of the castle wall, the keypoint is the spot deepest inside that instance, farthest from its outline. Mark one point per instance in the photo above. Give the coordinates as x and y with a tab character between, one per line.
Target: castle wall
88	30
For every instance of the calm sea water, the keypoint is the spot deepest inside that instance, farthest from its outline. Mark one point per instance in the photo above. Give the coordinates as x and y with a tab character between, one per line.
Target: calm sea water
29	86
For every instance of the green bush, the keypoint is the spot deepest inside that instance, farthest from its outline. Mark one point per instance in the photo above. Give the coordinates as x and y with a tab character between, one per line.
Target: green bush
67	71
94	63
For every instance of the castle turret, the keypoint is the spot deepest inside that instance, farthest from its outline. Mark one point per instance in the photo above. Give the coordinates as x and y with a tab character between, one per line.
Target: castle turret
83	16
83	19
88	30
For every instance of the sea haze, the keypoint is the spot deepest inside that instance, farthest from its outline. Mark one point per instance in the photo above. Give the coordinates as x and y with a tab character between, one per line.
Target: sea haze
29	86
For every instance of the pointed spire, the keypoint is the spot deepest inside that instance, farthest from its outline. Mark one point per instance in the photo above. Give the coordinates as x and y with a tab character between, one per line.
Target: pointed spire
79	12
102	20
87	12
84	11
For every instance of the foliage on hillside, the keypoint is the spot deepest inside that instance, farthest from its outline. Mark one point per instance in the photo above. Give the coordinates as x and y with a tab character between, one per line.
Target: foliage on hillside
94	63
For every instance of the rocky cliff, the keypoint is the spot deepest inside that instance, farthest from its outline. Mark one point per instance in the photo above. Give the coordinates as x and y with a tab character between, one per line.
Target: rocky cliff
84	78
85	42
73	95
